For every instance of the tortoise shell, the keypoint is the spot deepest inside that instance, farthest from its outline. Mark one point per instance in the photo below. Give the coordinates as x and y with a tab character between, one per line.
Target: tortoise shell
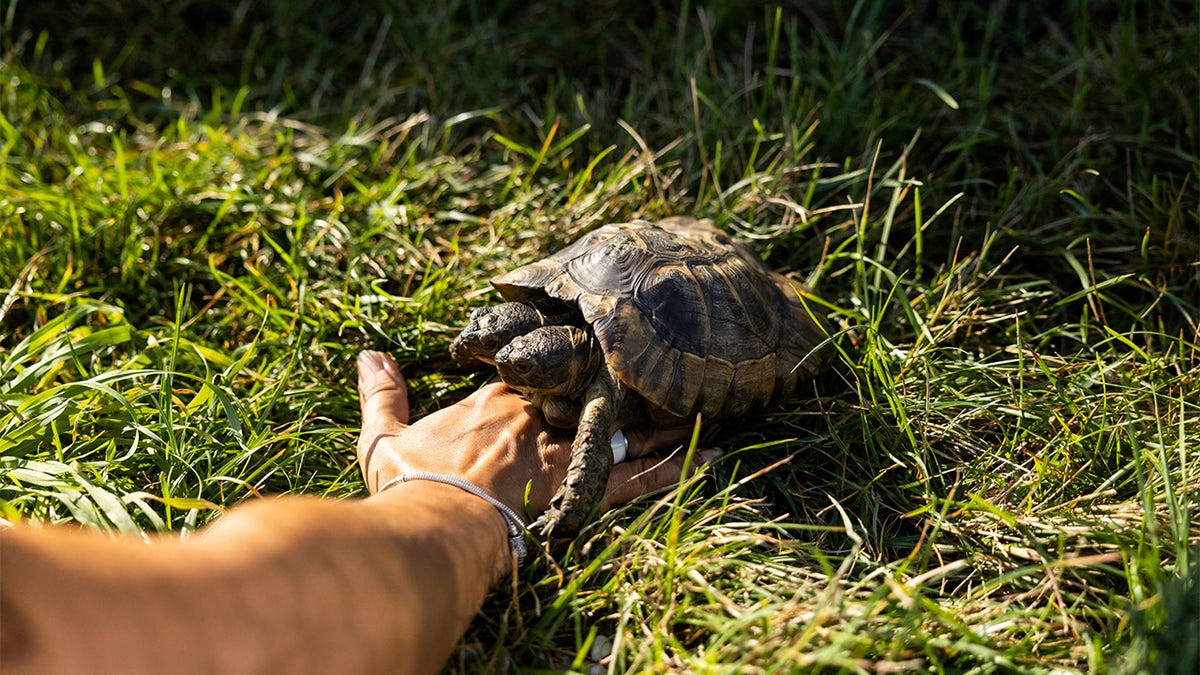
687	317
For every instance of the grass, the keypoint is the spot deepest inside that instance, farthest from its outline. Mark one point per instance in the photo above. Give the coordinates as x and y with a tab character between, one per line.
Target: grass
206	213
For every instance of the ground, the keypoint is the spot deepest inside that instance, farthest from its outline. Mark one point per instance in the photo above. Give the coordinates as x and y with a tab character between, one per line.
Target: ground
208	209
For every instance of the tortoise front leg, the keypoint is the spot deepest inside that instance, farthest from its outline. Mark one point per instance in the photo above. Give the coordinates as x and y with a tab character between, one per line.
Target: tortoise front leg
591	460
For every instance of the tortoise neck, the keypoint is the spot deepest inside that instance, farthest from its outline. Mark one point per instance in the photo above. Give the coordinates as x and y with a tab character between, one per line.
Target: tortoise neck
590	359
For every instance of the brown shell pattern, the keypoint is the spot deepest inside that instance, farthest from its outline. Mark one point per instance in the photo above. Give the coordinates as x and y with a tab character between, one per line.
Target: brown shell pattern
687	317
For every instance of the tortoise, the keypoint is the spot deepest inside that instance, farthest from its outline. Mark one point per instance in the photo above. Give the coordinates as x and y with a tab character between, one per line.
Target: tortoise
643	322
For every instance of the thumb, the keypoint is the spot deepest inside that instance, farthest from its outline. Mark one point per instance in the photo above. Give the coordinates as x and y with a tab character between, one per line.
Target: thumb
382	392
638	477
383	397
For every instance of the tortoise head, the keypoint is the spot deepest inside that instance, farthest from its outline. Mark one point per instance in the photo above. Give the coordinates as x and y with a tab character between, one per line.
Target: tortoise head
491	328
552	360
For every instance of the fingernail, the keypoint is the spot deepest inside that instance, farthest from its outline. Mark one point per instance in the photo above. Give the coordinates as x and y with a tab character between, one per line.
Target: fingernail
709	455
370	362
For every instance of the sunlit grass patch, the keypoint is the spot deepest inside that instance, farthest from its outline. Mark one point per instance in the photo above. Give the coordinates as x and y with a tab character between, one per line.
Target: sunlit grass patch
998	202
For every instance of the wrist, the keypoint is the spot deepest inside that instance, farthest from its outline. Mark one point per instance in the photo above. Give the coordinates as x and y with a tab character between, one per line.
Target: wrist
458	510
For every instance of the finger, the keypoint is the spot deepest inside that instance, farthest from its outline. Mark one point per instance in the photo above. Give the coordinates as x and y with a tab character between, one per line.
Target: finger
646	440
382	392
632	479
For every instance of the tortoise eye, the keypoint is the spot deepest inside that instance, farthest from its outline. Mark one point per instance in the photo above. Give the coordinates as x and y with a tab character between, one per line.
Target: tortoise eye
522	365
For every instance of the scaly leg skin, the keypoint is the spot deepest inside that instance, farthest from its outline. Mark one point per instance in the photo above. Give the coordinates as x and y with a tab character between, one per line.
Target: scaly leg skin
591	461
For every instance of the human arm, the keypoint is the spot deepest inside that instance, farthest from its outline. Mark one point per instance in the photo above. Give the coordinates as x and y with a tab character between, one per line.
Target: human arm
300	584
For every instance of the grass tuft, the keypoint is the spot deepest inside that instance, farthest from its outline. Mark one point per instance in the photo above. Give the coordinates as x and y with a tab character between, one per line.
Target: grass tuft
206	212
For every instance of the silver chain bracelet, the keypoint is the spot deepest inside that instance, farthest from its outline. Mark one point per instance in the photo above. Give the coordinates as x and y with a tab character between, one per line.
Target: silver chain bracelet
516	526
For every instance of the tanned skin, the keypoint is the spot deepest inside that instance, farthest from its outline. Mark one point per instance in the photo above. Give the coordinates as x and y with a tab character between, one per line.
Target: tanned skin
298	584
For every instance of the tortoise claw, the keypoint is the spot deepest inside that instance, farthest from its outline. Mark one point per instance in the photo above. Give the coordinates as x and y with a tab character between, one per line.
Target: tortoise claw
558	521
545	524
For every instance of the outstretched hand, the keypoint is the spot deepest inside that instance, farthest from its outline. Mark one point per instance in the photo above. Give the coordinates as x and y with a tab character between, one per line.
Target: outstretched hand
497	440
